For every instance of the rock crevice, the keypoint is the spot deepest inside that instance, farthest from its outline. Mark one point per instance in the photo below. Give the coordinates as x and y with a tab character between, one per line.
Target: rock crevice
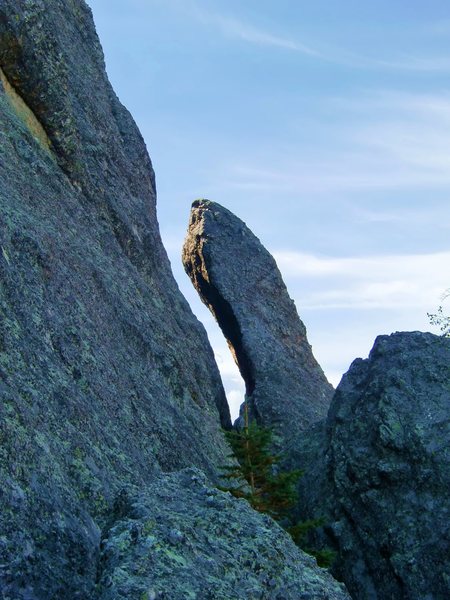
223	311
25	113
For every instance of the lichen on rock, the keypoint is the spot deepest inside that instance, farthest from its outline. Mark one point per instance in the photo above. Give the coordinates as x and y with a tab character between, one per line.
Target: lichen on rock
388	437
25	113
183	538
98	384
379	468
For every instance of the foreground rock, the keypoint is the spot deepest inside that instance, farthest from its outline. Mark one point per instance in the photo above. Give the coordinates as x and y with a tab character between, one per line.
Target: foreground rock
183	539
388	434
98	383
239	281
378	471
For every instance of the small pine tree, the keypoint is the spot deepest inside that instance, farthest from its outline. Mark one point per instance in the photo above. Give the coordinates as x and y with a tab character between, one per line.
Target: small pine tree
256	478
299	533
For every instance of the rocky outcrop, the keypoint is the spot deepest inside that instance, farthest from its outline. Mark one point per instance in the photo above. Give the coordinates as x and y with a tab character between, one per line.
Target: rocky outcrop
184	539
106	377
377	469
388	437
239	281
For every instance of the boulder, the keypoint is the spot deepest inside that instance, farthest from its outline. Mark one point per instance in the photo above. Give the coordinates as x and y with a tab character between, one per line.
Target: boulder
106	377
182	538
238	279
388	440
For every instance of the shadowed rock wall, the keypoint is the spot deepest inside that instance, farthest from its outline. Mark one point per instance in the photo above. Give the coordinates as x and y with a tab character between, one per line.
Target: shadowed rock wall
378	471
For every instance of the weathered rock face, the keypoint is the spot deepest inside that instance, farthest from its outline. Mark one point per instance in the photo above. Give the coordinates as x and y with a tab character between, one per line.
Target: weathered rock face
389	470
240	282
106	377
183	539
378	471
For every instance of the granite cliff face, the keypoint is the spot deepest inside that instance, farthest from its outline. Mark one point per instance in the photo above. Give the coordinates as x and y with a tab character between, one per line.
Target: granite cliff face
240	282
107	380
97	381
111	405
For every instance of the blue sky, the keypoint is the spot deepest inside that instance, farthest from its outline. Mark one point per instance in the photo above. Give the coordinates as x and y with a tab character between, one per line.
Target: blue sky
324	125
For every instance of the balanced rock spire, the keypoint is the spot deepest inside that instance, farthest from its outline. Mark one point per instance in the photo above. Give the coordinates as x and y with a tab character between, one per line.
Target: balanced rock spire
239	281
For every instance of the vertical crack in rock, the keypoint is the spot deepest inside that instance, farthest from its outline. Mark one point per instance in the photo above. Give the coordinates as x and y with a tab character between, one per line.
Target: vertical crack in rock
223	312
240	282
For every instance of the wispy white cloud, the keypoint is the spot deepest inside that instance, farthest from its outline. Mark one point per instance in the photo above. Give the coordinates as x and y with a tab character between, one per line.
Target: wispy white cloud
341	56
421	215
415	63
381	282
350	172
410	132
235	28
347	302
420	105
238	29
248	33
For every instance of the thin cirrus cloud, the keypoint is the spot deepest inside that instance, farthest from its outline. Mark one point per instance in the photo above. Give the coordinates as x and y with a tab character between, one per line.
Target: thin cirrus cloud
411	63
236	28
383	141
350	173
233	27
433	108
410	132
417	64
